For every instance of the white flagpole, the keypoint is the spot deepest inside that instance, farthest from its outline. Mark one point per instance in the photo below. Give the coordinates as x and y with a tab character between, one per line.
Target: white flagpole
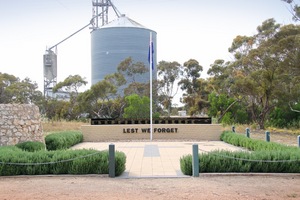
151	64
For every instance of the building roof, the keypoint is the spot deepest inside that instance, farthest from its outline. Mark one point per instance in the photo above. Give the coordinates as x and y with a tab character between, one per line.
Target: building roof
123	21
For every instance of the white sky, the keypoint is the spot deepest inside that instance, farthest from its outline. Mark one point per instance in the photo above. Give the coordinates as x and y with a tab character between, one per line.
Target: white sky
198	29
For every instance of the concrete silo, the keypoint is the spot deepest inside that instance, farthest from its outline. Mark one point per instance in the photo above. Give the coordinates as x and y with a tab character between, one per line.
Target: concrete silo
114	42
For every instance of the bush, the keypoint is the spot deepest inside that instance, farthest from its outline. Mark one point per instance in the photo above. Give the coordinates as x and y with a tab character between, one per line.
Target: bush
284	117
120	158
267	157
14	161
31	146
252	144
259	161
63	140
186	165
243	162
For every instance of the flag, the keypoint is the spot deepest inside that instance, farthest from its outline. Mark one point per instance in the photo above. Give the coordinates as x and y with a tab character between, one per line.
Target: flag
150	60
151	52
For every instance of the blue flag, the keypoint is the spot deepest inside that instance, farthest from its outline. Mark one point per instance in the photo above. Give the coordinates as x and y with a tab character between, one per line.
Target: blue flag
150	54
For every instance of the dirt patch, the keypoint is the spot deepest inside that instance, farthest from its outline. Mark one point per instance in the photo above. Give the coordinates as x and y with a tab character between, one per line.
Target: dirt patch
101	187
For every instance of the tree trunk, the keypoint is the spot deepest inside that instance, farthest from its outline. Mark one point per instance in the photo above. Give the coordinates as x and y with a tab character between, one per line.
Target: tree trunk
219	119
298	111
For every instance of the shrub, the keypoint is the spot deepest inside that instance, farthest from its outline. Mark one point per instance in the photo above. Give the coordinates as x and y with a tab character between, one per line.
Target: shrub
259	161
186	165
252	144
244	162
14	161
120	158
63	140
267	157
31	146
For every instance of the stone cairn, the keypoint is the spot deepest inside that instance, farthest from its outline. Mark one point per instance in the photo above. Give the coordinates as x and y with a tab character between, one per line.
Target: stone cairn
20	123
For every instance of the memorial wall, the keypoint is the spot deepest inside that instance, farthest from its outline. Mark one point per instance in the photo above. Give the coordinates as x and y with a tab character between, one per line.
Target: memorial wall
163	129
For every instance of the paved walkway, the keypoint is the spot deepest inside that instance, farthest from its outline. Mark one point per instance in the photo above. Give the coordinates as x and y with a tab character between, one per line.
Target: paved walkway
156	159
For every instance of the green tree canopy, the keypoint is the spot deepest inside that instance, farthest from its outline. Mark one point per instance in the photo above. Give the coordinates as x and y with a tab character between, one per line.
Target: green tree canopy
130	71
137	107
14	90
102	100
193	86
265	70
71	84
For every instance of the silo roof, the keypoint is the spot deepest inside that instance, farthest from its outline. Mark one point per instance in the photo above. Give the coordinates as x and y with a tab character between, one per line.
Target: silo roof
123	21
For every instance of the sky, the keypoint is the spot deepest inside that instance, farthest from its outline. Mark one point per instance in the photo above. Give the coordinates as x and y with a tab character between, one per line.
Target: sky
190	29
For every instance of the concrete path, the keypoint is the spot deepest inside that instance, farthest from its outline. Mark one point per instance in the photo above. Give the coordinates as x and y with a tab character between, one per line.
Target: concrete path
156	159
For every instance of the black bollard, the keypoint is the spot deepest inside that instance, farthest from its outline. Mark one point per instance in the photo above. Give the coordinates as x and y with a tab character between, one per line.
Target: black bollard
267	136
195	160
233	129
247	132
111	161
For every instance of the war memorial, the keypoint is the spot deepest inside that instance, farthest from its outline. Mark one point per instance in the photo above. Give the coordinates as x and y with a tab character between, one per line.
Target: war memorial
175	128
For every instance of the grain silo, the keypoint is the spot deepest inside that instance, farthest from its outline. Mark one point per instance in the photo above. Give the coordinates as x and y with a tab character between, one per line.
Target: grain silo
115	41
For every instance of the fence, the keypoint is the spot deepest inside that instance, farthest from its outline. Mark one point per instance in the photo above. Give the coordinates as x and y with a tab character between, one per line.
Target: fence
267	135
196	159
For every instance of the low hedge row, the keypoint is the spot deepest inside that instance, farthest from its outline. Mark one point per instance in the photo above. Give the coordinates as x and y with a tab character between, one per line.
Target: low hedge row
14	161
267	158
243	162
63	140
31	146
252	144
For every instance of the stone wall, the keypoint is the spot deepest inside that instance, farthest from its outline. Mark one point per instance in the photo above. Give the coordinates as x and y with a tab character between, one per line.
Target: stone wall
20	123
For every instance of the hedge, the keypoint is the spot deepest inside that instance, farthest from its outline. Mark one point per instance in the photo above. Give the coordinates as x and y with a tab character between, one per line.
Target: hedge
252	144
266	158
31	146
63	140
14	161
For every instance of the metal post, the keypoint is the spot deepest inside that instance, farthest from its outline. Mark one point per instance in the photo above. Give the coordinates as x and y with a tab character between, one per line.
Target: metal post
247	132
233	129
267	136
111	161
298	141
195	160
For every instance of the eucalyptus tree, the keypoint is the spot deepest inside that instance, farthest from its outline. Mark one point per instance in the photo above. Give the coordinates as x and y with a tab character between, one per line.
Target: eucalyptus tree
264	69
102	99
294	9
191	84
71	86
224	100
131	71
14	90
221	77
168	75
6	80
287	48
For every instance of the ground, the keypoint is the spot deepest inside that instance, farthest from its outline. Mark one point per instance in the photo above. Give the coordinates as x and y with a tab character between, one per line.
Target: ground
207	186
217	186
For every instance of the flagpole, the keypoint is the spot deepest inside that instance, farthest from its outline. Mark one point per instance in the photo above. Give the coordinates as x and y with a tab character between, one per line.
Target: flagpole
151	64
